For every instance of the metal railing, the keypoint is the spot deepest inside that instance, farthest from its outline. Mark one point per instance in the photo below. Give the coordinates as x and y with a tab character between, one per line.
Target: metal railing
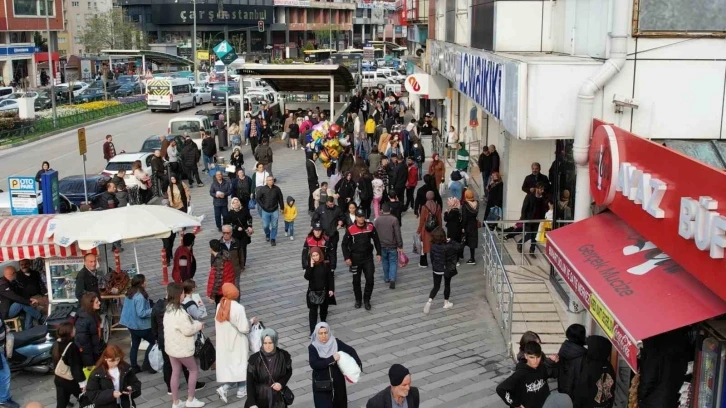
499	292
513	231
30	129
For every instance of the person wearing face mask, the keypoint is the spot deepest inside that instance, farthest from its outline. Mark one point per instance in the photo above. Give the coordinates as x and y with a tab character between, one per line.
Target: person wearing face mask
329	384
530	182
268	372
399	394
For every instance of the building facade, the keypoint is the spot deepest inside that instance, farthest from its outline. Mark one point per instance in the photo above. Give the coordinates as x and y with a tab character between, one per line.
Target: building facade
76	13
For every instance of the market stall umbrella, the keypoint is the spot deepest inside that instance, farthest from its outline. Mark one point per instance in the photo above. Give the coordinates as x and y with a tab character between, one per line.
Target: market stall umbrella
25	237
127	224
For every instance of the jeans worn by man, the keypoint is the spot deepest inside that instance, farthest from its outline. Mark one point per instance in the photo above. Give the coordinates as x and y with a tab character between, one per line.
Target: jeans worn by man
390	263
30	313
5	398
207	161
269	223
389	234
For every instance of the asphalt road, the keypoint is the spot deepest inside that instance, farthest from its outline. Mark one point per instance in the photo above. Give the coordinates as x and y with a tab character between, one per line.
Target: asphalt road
61	151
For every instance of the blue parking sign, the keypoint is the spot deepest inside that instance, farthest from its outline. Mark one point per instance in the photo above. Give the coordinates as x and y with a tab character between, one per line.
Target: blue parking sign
23	196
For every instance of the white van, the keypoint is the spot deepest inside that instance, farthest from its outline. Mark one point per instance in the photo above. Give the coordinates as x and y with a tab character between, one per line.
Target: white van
372	79
191	126
169	94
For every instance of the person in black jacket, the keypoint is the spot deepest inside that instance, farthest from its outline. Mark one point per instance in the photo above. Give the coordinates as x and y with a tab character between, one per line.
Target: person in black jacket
454	220
12	303
242	187
111	368
527	386
365	191
86	279
596	388
209	151
316	238
237	160
271	204
268	372
485	168
400	390
534	208
429	184
346	189
313	184
157	330
494	154
399	176
323	357
87	325
66	349
189	157
330	217
572	355
108	199
358	243
321	286
495	195
532	180
240	220
444	258
663	364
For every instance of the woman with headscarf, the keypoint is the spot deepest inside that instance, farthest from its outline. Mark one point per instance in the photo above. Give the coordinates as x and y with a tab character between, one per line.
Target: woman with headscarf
240	219
321	286
437	169
329	389
231	327
430	218
471	224
268	372
345	189
346	160
178	193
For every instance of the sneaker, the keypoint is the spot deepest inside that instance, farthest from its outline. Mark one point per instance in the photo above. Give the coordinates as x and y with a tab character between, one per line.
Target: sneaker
181	404
200	184
195	403
392	285
458	263
292	238
273	242
200	386
267	238
222	394
168	391
285	233
422	266
427	307
448	305
471	262
242	392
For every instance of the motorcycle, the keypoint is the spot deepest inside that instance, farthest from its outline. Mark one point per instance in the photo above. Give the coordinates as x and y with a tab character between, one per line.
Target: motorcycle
30	350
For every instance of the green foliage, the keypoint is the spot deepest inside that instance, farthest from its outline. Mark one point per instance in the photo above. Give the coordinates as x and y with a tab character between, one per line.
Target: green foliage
309	46
108	30
40	41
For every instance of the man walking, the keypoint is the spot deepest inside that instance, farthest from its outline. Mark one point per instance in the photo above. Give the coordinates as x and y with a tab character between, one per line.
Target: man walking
533	208
330	217
312	180
399	394
358	243
234	249
271	204
398	177
411	181
263	154
389	233
209	151
189	158
109	150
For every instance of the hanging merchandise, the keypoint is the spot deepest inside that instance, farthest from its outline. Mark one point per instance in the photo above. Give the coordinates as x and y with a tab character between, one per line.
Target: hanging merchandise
473	117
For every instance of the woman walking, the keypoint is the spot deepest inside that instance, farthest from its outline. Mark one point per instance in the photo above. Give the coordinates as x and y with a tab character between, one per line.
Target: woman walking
180	332
178	193
241	221
113	384
346	189
268	372
430	218
349	218
365	191
444	258
323	357
231	326
65	349
469	212
437	169
136	316
377	185
321	286
496	194
88	329
236	160
454	225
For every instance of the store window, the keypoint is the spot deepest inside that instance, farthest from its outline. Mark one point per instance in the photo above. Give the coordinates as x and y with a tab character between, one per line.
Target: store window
33	8
20	37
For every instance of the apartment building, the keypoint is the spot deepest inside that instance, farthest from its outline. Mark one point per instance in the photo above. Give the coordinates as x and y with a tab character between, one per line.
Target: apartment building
323	23
76	13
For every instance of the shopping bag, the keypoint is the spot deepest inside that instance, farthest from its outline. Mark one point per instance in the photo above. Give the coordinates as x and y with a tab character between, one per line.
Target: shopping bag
402	259
190	210
255	337
495	214
544	228
207	355
252	204
417	244
144	345
84	401
442	188
87	371
156	359
201	306
349	368
231	169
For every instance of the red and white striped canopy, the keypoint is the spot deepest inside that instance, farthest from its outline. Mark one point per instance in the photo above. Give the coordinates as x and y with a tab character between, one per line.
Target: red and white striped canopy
24	238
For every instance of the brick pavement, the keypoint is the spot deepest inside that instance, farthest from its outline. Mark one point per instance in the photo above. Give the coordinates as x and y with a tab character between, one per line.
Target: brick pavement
456	357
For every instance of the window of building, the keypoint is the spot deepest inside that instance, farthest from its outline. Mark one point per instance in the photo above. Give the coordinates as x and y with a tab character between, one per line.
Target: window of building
359	12
695	17
20	37
75	4
311	16
33	8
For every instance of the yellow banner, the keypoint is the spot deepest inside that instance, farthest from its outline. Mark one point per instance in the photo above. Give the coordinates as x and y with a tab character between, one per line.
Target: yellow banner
602	315
203	55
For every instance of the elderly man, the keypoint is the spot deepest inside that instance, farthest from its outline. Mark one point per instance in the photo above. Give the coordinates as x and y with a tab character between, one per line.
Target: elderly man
271	203
399	394
158	170
234	249
87	278
31	286
12	303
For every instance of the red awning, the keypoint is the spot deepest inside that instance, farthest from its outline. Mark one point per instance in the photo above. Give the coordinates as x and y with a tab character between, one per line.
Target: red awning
24	238
632	289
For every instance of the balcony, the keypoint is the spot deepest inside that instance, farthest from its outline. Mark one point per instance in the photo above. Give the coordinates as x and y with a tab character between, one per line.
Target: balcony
417	11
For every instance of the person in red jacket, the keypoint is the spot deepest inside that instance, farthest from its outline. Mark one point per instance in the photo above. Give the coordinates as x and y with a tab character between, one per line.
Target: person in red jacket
185	264
411	182
221	271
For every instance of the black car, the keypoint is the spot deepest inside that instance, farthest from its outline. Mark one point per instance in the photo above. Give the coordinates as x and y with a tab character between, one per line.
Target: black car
72	187
111	86
130	88
153	143
89	95
218	96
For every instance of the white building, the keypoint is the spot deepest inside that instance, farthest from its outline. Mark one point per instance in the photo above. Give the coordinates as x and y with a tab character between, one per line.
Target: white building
77	13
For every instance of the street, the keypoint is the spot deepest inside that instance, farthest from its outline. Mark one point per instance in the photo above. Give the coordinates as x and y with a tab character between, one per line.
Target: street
456	356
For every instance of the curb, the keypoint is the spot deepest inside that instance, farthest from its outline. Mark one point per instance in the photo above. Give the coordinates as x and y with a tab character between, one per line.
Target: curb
54	133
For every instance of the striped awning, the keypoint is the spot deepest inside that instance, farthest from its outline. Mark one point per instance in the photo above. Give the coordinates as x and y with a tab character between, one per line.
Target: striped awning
24	237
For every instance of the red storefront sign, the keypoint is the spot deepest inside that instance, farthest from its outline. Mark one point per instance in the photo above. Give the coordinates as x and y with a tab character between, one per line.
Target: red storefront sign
402	19
674	201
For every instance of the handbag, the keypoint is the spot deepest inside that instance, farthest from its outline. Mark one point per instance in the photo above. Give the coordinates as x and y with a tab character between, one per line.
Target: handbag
61	369
207	355
416	243
316	297
287	396
84	401
252	204
324	385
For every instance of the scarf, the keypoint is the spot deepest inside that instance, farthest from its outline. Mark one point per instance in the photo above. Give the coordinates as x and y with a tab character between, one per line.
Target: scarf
229	294
272	334
325	350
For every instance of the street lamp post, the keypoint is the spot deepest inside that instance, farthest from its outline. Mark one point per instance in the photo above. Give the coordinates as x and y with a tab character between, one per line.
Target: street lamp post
194	43
50	59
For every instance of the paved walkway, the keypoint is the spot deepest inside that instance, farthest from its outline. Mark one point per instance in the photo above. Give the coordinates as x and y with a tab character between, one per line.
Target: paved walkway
456	356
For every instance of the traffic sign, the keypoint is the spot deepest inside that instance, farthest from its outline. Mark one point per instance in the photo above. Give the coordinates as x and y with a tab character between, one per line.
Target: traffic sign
229	57
261	26
82	141
223	49
23	196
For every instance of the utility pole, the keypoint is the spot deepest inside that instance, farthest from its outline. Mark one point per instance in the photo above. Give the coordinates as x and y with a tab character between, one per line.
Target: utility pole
50	58
194	43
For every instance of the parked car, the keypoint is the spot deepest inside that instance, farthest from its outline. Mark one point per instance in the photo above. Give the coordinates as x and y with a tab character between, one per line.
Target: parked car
72	187
130	88
125	161
111	86
78	87
153	143
218	95
28	94
8	104
89	95
43	101
124	79
202	95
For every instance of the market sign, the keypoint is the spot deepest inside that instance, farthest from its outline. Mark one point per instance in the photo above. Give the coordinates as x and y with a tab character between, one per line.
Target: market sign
292	3
676	202
494	83
231	14
23	196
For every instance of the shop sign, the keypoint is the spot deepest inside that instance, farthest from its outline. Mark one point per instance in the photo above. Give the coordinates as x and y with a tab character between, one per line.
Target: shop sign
23	196
18	50
383	5
671	199
211	14
292	3
623	342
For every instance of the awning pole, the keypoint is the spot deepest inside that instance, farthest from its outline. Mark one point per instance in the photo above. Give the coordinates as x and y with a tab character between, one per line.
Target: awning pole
332	99
136	258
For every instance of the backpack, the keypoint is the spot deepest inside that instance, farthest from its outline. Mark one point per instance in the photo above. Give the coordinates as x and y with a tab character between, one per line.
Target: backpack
365	191
431	221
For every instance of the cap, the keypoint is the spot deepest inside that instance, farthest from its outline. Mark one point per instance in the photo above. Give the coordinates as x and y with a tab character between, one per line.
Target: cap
360	213
318	226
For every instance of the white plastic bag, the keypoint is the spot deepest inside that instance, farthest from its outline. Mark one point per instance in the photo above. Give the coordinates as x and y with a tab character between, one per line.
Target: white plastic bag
143	345
349	368
156	359
255	337
201	306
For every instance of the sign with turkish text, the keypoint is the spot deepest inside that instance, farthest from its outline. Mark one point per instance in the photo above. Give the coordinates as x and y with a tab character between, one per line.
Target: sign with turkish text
673	200
23	196
82	148
292	3
231	14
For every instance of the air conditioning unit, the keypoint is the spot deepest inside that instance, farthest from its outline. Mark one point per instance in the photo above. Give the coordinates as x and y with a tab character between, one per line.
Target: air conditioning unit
420	51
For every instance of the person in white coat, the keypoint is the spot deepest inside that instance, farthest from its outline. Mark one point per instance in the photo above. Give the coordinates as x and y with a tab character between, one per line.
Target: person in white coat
232	327
180	332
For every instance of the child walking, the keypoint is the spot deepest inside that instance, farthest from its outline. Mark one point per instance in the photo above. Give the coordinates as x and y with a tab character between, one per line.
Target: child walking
289	214
196	308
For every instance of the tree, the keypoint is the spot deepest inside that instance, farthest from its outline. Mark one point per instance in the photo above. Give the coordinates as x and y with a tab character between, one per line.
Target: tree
40	42
108	30
323	36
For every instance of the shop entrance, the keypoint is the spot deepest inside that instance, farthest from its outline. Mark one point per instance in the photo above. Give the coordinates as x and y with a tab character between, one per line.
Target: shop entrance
20	73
